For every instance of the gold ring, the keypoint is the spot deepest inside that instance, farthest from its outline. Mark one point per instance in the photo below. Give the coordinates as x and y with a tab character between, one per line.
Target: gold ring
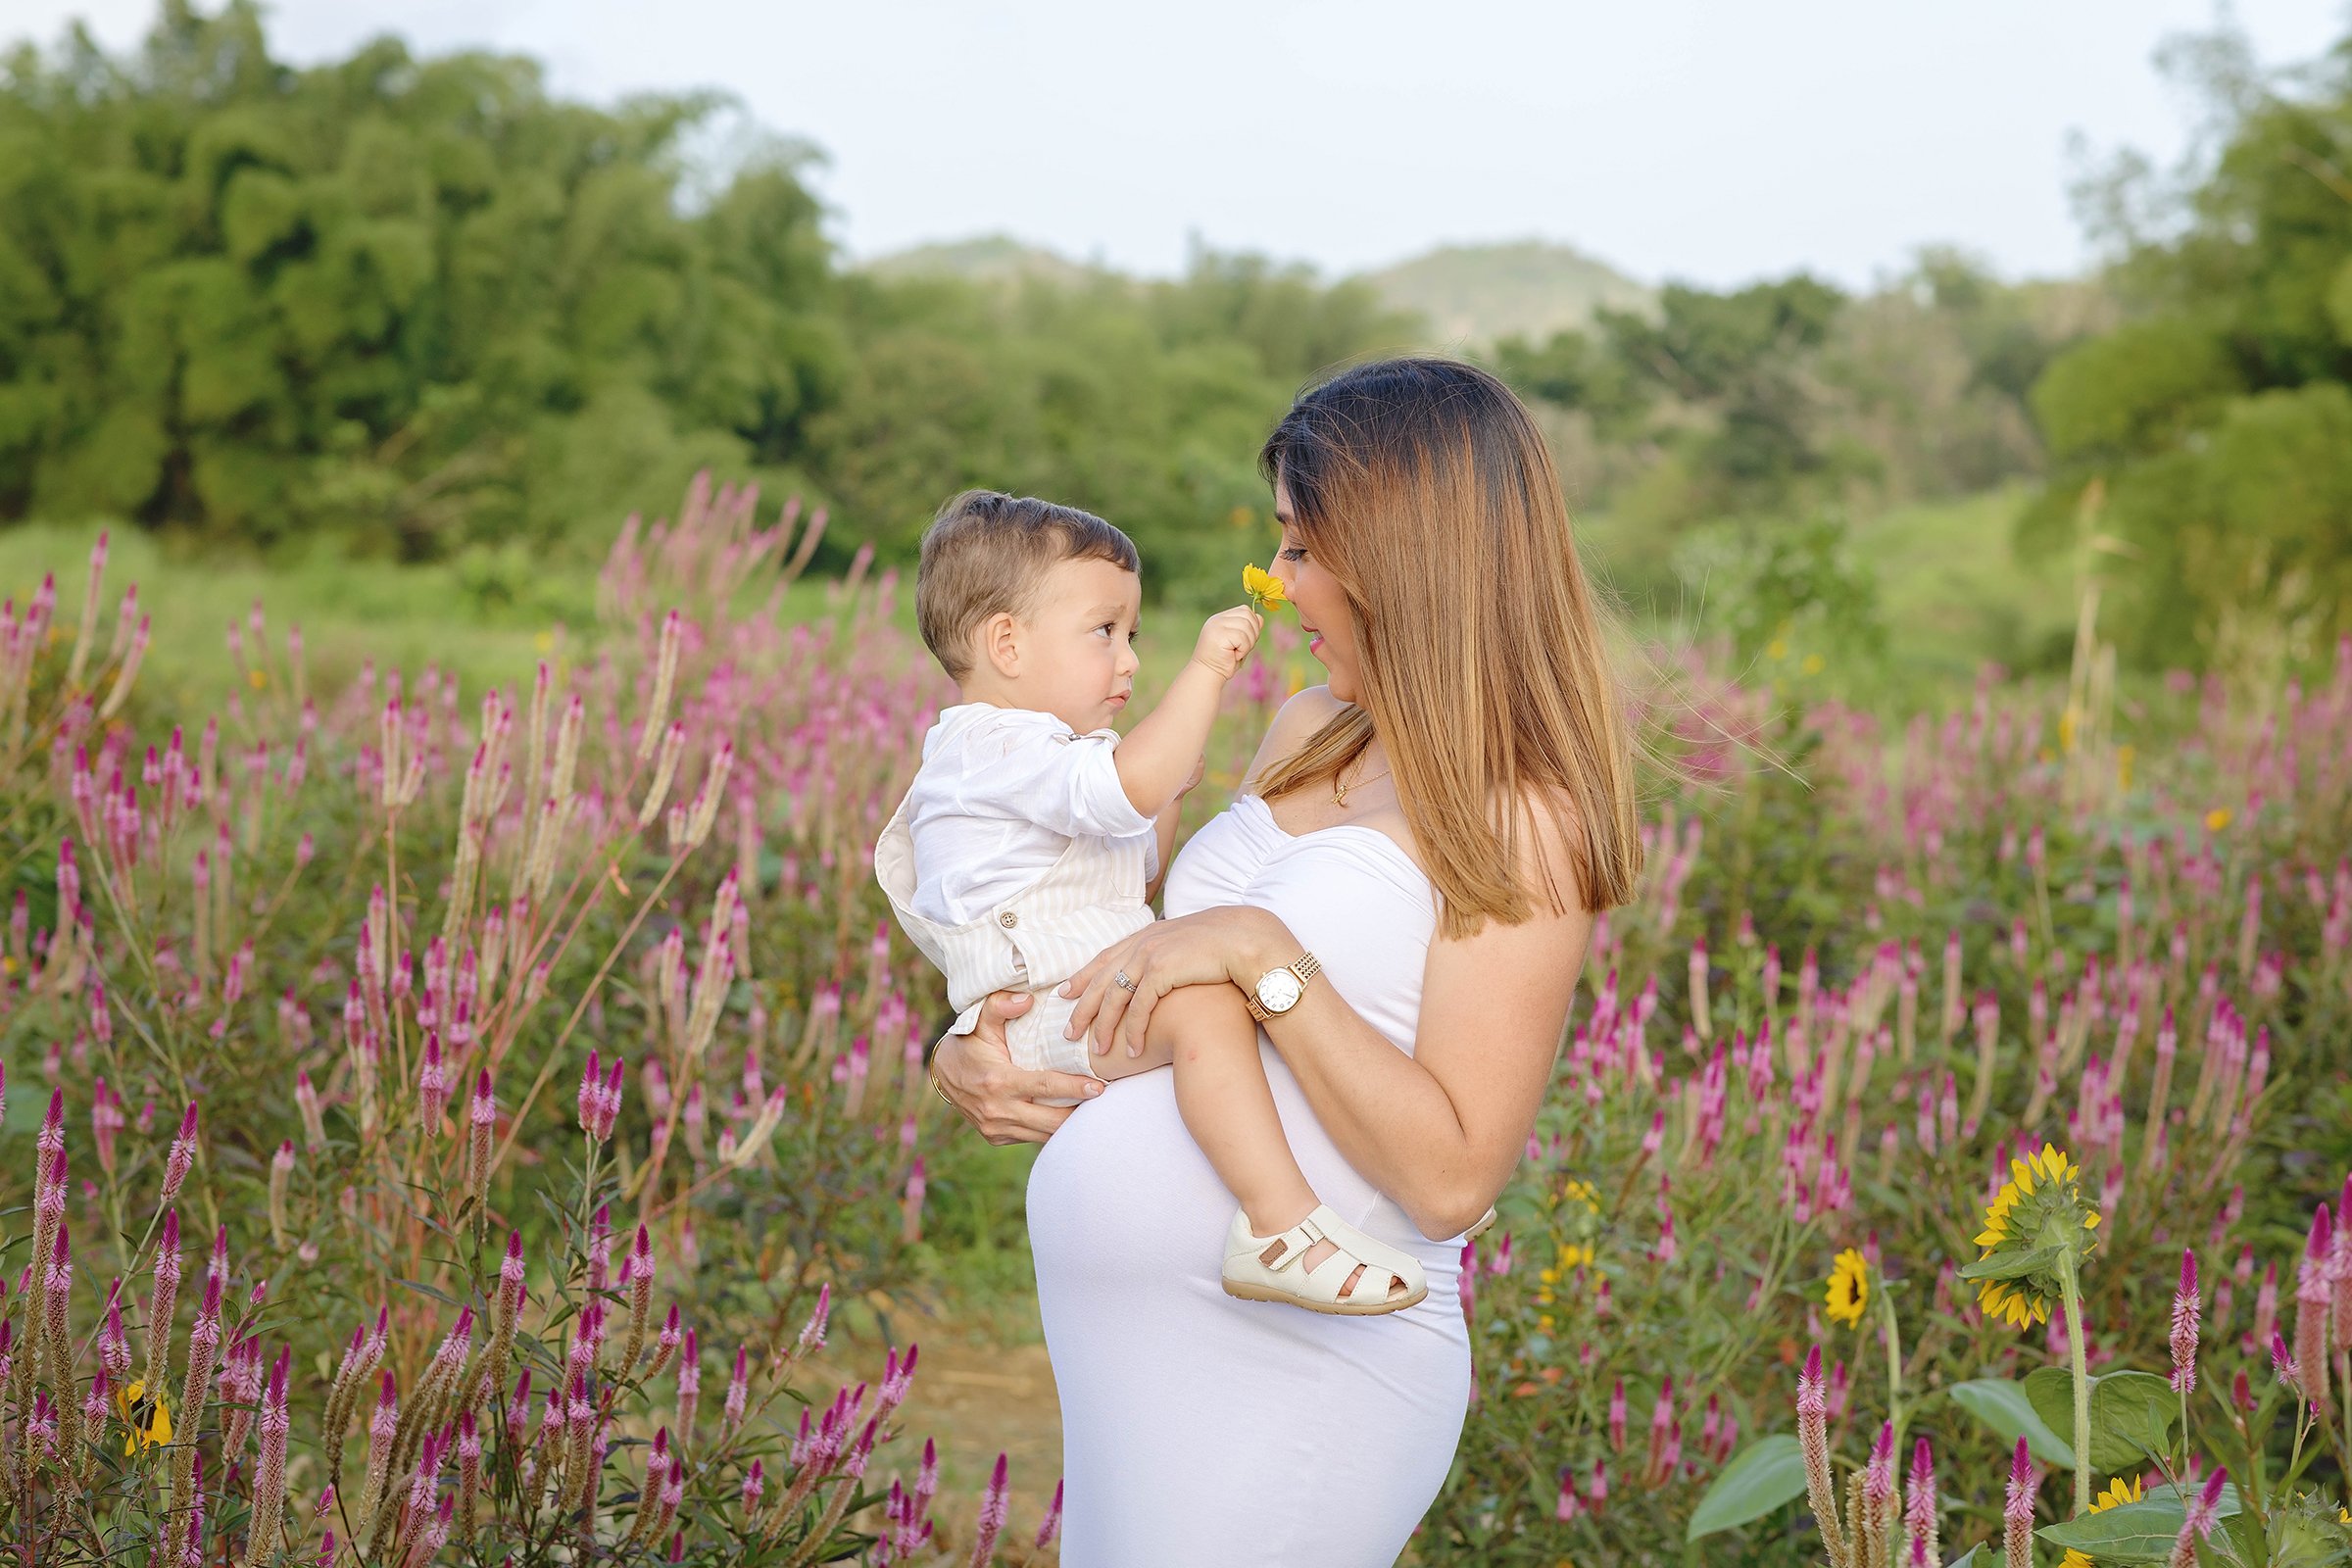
1123	982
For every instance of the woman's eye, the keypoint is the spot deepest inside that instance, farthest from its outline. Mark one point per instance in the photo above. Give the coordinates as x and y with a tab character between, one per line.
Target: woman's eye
1291	553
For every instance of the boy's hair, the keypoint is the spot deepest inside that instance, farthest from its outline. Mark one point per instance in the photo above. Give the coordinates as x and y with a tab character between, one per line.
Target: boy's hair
984	554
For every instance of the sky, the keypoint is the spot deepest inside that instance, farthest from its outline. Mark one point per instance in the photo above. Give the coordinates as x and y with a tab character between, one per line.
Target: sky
1712	143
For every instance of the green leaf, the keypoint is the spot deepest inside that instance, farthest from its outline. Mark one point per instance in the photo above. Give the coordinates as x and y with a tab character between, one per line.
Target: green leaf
2133	1531
2131	1413
2011	1265
1967	1559
1766	1474
2004	1406
2133	1409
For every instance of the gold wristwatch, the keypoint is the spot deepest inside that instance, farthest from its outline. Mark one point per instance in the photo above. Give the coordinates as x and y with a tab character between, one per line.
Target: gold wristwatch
1278	990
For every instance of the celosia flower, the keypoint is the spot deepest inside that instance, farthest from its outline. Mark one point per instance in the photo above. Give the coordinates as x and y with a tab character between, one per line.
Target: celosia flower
1848	1293
2314	1299
995	1502
1265	590
2198	1524
2017	1513
2185	1326
1813	1441
2039	1217
1919	1508
1050	1526
2123	1489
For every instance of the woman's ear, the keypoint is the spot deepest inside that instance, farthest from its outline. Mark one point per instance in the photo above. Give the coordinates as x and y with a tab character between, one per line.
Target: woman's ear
1000	642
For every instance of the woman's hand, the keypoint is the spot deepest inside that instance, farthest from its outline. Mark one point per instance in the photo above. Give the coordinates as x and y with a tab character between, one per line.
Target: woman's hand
1213	947
975	1072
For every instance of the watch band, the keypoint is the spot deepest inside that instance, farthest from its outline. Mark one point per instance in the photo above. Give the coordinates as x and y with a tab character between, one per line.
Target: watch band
1305	967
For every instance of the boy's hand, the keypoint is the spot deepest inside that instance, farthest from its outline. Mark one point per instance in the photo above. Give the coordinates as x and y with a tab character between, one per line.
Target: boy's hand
1226	640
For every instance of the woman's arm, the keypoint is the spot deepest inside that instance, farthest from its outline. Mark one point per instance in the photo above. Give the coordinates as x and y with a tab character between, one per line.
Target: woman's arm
1439	1131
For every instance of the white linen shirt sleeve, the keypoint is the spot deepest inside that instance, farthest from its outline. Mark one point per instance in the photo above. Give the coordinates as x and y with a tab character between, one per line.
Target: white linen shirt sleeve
1031	768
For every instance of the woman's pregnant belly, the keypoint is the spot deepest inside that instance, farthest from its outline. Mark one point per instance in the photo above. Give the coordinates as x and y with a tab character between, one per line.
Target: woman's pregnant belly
1195	1425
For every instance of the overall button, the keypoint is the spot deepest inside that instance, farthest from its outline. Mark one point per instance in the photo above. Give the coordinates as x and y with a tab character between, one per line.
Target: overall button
1009	919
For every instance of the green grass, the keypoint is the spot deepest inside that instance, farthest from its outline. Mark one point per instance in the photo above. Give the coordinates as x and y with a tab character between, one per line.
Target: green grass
487	619
1953	593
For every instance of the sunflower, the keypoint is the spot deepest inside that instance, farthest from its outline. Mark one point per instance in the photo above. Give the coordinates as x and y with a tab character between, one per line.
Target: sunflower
1848	1294
2120	1490
2039	1217
1265	590
149	1420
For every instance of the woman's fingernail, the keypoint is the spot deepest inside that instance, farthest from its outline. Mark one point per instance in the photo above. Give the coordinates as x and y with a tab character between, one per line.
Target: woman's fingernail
1093	1089
1063	990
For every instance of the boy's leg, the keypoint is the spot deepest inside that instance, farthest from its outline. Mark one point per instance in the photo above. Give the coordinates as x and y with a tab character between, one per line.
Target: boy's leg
1207	1034
1221	1090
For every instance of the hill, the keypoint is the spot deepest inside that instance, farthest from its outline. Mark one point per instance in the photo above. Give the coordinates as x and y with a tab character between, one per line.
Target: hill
1470	295
982	259
1475	294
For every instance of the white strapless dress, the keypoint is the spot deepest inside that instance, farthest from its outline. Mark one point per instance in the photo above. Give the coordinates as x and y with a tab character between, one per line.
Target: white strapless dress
1200	1430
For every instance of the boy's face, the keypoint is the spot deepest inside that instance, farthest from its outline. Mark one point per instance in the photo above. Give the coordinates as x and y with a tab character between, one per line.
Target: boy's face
1077	644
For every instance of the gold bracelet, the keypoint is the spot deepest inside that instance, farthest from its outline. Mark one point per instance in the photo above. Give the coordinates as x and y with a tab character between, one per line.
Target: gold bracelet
941	1093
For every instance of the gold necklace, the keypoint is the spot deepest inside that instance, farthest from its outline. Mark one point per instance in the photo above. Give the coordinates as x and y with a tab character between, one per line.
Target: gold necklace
1340	788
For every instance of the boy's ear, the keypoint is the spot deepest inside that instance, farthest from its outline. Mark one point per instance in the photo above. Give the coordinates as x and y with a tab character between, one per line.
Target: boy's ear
998	642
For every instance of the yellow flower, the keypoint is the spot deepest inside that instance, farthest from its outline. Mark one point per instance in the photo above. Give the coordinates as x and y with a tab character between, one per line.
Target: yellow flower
2036	1215
1849	1296
2123	766
1813	665
257	678
2218	818
1265	590
1778	648
2120	1490
150	1423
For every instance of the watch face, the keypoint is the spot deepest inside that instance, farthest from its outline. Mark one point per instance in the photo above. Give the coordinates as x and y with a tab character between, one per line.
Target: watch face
1278	991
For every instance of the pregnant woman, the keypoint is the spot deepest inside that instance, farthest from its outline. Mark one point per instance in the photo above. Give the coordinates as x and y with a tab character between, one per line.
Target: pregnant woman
1403	890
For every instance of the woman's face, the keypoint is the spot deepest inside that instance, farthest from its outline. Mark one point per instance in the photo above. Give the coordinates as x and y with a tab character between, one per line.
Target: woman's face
1323	613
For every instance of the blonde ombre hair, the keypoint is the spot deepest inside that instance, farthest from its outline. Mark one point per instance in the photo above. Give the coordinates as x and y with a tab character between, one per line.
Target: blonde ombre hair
1424	487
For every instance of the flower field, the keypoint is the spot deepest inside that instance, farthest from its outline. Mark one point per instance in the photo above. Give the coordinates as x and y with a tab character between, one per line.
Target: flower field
442	1125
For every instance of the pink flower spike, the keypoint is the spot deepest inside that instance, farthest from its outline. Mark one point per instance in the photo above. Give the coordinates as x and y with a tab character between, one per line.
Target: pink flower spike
2186	1313
812	1333
1050	1526
2017	1512
591	1097
433	1085
995	1502
182	1157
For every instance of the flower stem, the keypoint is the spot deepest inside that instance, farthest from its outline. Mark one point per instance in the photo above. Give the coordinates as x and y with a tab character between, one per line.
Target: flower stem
2071	1293
1895	1366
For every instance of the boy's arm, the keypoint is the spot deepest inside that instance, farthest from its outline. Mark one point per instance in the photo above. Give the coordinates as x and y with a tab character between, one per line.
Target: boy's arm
1156	756
1163	827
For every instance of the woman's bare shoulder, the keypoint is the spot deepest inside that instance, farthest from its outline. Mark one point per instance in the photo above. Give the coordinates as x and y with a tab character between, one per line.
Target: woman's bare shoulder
1307	710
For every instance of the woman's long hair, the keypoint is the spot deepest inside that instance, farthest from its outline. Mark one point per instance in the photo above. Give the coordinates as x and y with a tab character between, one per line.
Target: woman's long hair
1425	488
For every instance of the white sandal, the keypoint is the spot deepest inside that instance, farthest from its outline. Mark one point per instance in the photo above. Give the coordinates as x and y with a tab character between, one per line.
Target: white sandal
1485	1223
1248	1276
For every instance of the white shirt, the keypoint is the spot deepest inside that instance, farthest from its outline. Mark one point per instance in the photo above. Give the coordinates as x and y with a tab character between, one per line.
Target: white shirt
1001	793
